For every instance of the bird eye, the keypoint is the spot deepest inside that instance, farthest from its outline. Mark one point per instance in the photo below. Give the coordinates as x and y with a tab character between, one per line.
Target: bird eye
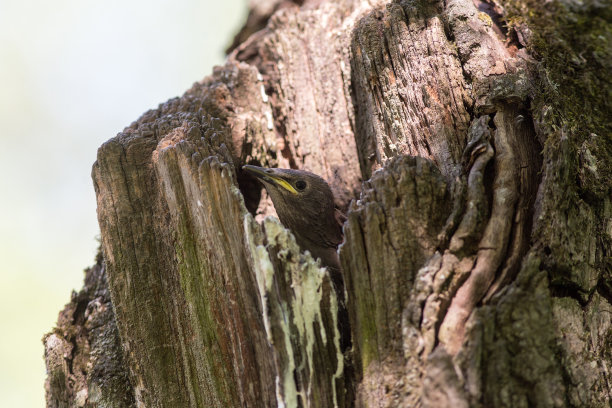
300	185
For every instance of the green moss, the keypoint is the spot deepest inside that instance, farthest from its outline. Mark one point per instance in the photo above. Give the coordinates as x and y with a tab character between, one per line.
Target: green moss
368	329
571	104
573	46
196	291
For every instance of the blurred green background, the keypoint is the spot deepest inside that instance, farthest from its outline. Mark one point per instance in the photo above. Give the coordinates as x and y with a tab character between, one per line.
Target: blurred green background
73	73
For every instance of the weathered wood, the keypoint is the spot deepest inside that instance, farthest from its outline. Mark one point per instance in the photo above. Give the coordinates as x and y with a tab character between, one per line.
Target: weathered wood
477	252
305	64
301	319
197	301
411	96
85	365
390	233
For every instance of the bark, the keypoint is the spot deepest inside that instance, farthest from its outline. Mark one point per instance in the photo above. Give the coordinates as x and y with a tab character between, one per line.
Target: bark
85	364
469	143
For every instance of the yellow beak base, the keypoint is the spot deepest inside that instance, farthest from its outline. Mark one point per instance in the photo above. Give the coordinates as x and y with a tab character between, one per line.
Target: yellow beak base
261	173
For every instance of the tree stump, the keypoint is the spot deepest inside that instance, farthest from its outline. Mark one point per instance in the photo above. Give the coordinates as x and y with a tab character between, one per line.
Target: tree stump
469	143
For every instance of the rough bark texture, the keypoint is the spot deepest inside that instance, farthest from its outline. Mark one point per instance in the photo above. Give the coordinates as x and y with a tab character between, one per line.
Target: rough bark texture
470	144
85	364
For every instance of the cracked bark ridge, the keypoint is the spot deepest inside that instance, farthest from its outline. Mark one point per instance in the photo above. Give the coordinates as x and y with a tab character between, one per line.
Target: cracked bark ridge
185	271
390	233
83	355
495	73
409	90
514	153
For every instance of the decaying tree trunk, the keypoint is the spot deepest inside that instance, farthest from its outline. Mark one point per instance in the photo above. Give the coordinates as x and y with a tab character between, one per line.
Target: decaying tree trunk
469	143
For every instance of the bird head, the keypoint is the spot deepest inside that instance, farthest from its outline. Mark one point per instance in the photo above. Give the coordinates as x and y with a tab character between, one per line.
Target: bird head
304	203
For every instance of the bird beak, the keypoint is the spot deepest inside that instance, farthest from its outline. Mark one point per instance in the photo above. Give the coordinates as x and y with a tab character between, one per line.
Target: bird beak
269	176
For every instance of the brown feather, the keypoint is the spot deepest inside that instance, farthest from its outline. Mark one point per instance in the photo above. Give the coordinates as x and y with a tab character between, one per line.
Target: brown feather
308	210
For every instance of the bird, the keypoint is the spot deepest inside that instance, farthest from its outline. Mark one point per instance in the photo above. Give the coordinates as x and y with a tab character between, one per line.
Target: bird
304	203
